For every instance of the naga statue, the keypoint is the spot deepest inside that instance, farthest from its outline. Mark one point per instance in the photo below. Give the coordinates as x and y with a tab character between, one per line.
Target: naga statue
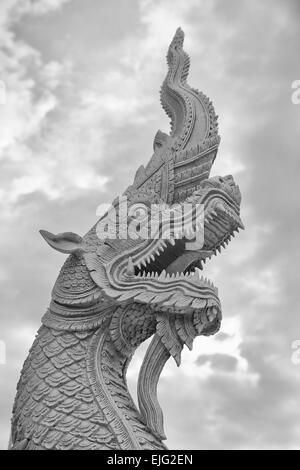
113	293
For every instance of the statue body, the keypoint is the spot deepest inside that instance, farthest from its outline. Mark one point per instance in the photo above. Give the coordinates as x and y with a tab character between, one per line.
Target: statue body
112	294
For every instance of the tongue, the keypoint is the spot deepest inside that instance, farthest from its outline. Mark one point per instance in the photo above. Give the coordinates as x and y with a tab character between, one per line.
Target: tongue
185	260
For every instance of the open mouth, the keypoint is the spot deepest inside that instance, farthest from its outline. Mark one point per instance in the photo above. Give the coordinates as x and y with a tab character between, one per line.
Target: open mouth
167	272
170	258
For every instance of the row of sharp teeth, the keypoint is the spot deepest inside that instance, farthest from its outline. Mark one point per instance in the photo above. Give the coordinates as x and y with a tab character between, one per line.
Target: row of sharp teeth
210	216
188	233
218	249
167	276
147	260
179	235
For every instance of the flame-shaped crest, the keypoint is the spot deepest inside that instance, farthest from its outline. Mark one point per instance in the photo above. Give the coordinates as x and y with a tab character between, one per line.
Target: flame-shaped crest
183	159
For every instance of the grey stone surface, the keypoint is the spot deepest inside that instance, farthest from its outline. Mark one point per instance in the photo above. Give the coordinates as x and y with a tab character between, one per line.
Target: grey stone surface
112	294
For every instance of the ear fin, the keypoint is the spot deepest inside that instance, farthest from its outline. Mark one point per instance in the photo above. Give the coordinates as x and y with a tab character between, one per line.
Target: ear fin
67	242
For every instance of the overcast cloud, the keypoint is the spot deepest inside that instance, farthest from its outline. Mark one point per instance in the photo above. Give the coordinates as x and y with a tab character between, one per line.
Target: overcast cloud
82	107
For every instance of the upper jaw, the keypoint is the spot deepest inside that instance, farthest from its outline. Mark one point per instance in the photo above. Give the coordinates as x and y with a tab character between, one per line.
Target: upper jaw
162	271
186	291
183	292
173	257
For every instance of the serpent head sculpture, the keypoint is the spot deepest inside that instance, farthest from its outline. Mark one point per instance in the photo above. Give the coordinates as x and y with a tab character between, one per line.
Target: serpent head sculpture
127	280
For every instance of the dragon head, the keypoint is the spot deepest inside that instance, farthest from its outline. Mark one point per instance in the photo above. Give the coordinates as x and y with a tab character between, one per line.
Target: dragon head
150	247
159	262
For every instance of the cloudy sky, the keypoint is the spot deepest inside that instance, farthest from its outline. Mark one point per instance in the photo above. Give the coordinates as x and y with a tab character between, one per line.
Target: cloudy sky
82	106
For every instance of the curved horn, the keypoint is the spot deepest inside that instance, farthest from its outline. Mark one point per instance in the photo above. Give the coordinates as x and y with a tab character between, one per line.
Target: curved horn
184	159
